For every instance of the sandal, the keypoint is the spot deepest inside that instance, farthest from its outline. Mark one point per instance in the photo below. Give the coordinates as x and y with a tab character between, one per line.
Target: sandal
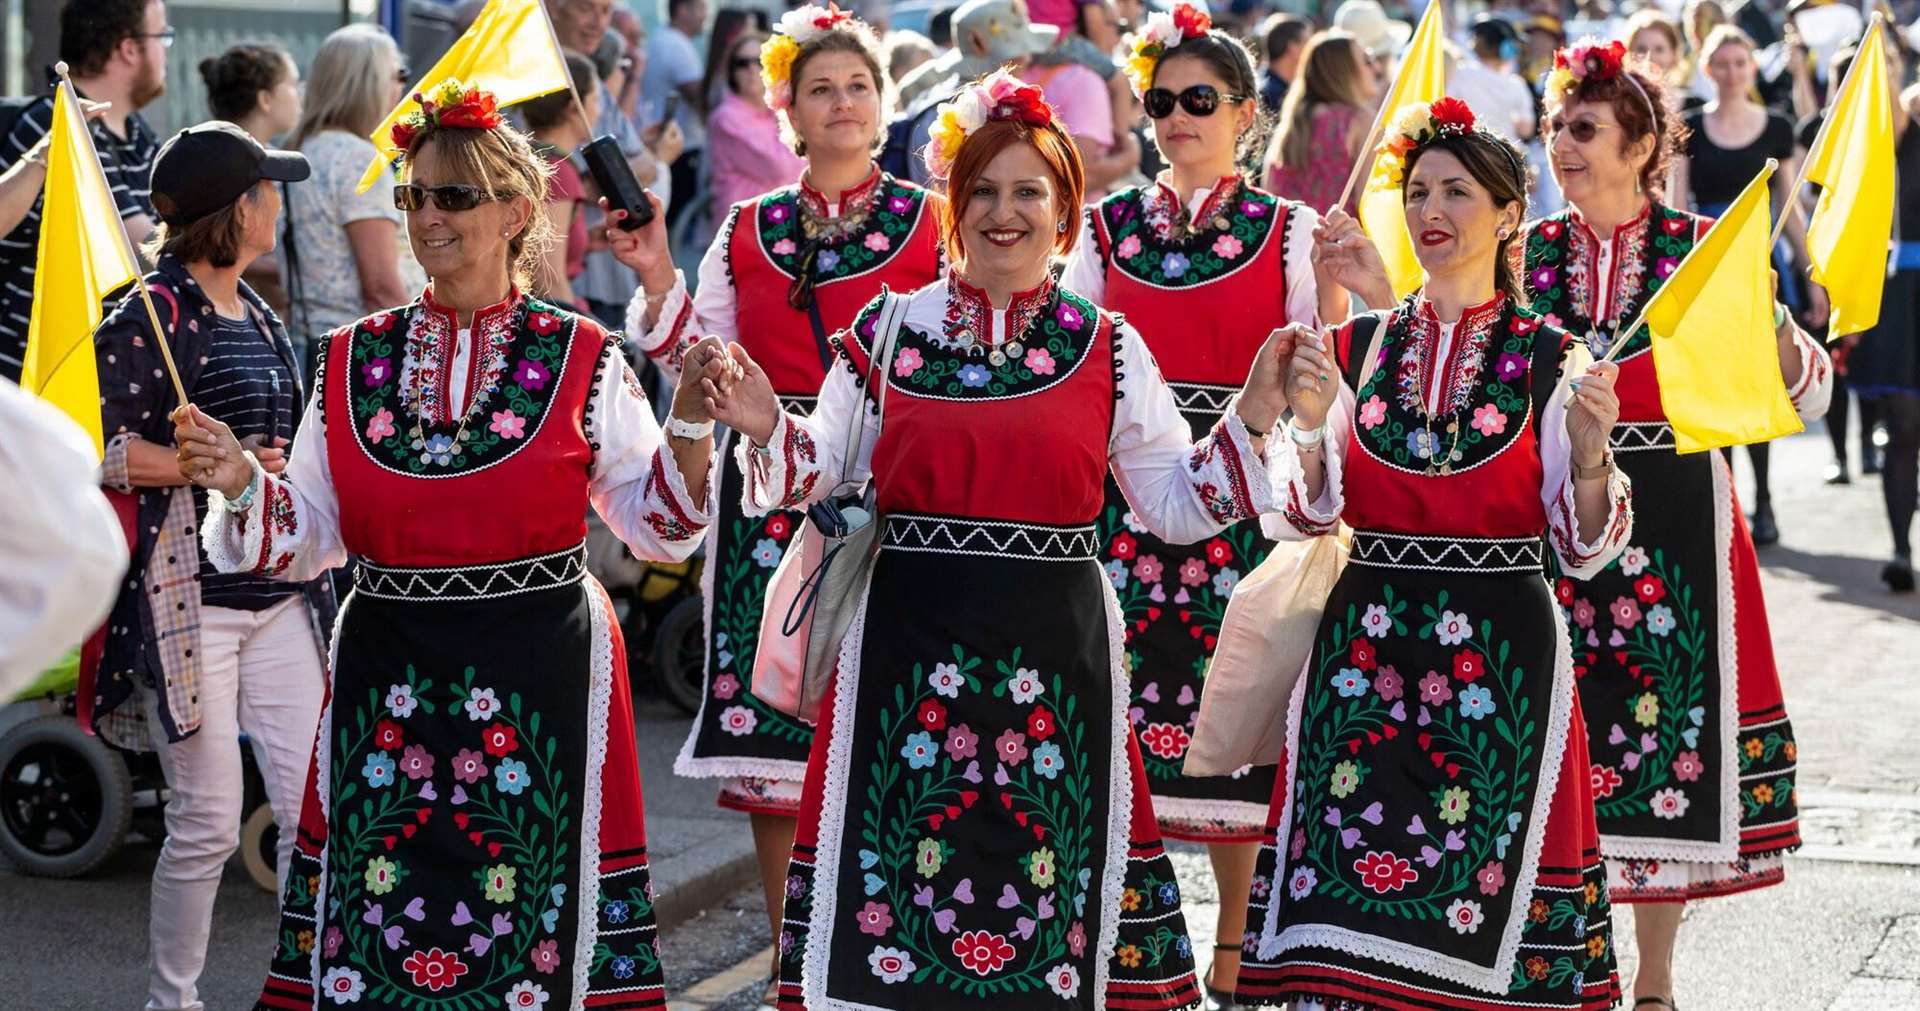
1665	1002
1212	999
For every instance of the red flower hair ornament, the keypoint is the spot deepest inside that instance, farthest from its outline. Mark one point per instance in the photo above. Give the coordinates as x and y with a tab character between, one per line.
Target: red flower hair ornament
462	106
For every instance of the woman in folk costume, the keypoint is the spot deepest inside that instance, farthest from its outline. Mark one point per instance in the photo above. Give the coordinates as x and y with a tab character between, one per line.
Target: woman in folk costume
787	269
1433	843
976	822
1693	755
1204	265
473	835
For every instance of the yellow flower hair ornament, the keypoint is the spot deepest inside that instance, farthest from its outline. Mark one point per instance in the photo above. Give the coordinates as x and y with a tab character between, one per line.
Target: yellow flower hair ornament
1161	32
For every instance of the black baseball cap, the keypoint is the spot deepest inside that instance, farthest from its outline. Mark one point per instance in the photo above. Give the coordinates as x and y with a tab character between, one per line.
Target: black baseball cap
206	167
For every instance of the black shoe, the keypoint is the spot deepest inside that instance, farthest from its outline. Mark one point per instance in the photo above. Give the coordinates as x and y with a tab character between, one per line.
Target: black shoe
1765	531
1837	473
1898	574
1870	461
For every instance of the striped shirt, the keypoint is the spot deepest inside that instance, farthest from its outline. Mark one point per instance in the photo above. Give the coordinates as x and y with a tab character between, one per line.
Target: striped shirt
129	165
250	387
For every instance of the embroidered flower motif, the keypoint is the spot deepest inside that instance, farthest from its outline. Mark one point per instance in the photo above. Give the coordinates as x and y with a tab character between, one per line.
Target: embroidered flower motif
1492	877
784	247
1174	264
343	985
1346	779
1488	420
381	876
500	740
1300	883
1508	366
1040	867
376	371
378	770
1646	709
1039	361
1422	443
738	720
1464	916
974	376
434	969
1544	277
874	918
330	945
1047	760
1388	683
380	426
1385	872
1687	766
1224	581
1116	571
946	680
1165	740
766	552
1360	652
1455	802
1148	569
416	763
1011	747
439	449
725	687
961	742
1453	628
1434	689
1649	589
1064	981
510	776
1351	683
1227	247
400	701
482	705
1604	780
1669	803
1476	702
531	375
1377	621
1128	248
1583	613
981	952
919	750
829	262
387	736
526	996
1128	955
622	967
1024	686
878	242
1193	572
508	425
1468	665
928	858
907	361
891	964
546	956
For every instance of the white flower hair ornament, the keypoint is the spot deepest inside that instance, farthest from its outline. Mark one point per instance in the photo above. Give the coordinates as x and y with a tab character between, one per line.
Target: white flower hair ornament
1161	32
796	28
997	96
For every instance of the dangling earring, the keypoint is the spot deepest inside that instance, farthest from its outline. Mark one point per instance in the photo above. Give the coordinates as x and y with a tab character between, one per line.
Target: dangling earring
1636	186
1061	227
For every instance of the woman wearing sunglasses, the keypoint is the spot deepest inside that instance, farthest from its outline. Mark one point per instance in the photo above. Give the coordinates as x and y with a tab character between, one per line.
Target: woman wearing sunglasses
745	154
976	822
1693	769
472	834
787	269
1205	265
1432	840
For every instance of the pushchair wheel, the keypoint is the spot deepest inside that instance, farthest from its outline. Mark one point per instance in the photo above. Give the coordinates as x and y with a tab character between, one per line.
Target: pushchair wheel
66	799
680	654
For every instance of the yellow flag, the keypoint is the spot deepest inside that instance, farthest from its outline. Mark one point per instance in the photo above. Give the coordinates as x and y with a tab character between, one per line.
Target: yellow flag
510	50
1422	80
1712	327
1853	165
84	255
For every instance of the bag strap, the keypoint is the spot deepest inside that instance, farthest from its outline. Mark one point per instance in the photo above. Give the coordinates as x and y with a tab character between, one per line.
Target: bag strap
1546	372
879	361
1359	368
808	257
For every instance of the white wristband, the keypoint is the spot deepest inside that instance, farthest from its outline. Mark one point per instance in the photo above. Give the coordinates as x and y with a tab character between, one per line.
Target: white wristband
1306	440
687	430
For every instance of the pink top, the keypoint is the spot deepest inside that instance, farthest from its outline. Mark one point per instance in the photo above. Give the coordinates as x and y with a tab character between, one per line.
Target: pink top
1058	13
745	155
1317	183
1081	100
567	187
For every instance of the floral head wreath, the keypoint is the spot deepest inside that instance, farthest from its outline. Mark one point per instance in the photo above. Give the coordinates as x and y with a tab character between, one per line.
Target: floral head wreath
797	28
1593	60
453	104
997	96
1161	32
1416	126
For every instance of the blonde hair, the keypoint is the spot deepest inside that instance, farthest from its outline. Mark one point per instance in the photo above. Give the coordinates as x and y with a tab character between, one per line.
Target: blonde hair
1725	34
348	84
1652	19
1329	74
502	162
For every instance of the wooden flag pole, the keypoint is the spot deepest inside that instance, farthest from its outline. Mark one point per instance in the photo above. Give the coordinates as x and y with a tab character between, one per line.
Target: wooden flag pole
139	279
1367	156
1640	320
1874	24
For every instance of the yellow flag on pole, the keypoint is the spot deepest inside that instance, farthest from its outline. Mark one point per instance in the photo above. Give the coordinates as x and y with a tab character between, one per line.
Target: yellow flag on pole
1422	80
510	50
84	255
1712	330
1852	163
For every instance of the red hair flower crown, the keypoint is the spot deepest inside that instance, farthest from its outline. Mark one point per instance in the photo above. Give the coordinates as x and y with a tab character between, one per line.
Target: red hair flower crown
453	104
997	96
1591	59
1416	126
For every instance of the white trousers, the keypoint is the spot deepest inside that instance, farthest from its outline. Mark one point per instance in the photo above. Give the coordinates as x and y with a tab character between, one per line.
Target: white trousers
262	673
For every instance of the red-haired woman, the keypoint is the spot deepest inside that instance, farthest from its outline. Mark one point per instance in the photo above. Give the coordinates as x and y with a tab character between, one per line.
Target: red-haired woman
976	820
787	269
1693	755
1432	842
1204	265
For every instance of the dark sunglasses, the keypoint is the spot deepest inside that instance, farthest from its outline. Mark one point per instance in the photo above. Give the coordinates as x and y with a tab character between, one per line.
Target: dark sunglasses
1583	130
746	63
452	197
1199	100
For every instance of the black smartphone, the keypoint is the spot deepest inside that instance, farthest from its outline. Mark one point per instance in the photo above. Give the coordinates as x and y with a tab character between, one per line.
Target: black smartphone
616	181
671	109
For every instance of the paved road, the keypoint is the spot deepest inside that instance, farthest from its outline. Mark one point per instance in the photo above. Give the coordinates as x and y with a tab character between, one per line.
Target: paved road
1843	933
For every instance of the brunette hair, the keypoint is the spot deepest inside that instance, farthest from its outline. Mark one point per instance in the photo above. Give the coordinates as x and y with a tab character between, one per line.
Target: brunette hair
1653	19
730	25
1229	60
1329	75
90	30
214	239
851	37
1501	169
1055	148
502	162
236	77
1642	111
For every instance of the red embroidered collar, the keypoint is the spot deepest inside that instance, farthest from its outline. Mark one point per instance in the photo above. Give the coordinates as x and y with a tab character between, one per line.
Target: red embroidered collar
1166	209
815	201
969	316
1646	210
427	371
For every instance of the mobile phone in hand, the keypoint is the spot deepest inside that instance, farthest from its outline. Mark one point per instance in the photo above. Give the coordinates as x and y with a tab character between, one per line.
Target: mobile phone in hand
614	176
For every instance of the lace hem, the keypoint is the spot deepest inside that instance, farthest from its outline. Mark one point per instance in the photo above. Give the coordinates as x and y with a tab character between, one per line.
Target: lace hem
599	700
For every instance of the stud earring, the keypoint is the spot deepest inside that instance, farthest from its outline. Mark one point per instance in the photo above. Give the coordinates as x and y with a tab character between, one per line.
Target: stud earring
1060	227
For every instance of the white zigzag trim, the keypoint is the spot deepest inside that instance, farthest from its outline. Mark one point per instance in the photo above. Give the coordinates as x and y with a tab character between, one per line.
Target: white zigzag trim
990	538
1635	436
1203	398
1448	554
474	582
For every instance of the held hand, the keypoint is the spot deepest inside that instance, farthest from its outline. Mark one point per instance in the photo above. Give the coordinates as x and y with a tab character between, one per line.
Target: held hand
273	458
705	361
209	454
1344	254
667	142
1591	413
1312	381
747	405
1264	397
644	249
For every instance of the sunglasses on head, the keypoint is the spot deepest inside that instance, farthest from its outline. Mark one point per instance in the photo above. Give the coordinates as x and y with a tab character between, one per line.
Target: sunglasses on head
452	197
1199	100
1583	130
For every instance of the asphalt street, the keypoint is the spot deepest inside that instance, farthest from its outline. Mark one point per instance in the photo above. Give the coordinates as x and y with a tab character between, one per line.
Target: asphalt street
1843	933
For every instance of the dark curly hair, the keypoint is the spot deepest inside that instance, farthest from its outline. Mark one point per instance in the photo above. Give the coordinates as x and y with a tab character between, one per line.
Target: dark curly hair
1643	111
236	77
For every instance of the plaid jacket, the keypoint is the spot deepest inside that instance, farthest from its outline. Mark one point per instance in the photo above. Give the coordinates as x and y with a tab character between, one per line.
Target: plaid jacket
153	632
